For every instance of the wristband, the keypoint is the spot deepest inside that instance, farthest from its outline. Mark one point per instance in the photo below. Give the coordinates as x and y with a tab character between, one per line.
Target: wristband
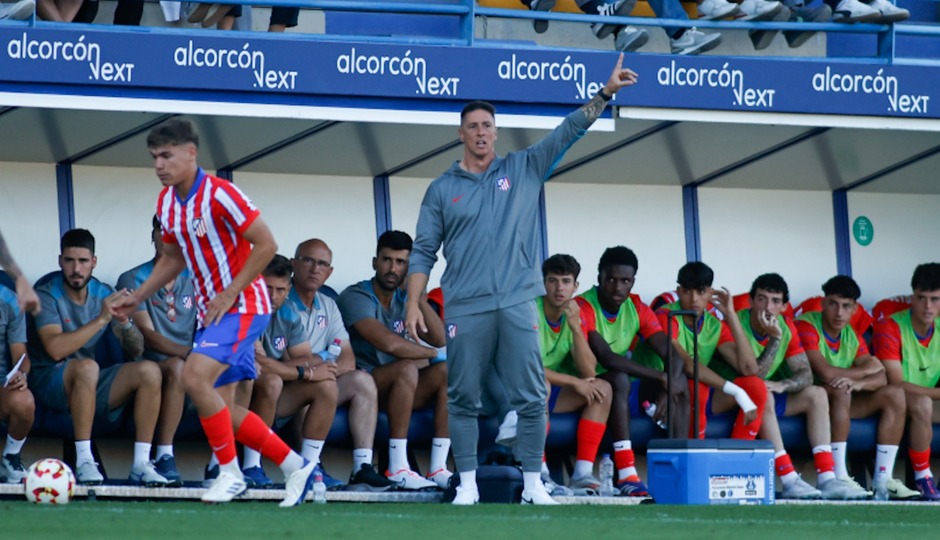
604	95
739	395
300	373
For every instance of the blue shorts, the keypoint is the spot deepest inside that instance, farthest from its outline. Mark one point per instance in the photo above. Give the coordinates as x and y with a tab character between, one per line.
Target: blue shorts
232	342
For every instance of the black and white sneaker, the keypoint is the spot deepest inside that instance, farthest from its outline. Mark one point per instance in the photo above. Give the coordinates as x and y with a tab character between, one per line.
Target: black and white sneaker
366	479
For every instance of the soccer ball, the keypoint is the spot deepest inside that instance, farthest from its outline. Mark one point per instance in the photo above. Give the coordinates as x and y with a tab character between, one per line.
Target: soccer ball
49	481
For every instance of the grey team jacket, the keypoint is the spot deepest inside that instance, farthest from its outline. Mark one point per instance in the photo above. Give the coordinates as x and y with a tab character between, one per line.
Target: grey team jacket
489	225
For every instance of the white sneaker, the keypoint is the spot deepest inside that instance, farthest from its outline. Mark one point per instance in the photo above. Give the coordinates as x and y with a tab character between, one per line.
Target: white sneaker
410	480
630	39
611	8
19	11
298	484
798	489
506	435
890	13
87	474
466	496
842	489
224	488
848	480
145	474
440	477
849	11
11	468
711	10
537	496
553	489
897	491
757	10
693	42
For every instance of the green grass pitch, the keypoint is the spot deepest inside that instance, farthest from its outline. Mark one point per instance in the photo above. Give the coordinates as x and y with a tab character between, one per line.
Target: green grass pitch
264	520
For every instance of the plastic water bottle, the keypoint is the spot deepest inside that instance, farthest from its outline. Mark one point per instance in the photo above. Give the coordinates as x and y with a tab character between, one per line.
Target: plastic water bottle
334	350
607	477
319	489
650	409
881	487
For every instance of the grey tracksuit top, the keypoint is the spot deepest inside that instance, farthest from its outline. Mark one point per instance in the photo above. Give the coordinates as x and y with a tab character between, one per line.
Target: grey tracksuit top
489	225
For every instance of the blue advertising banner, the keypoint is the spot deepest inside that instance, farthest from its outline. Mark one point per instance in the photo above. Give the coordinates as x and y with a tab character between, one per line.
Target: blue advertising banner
276	69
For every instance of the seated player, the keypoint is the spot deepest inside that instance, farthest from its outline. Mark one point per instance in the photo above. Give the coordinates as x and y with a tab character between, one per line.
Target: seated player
782	363
614	318
725	338
167	321
408	375
77	310
570	366
854	380
17	405
291	379
904	343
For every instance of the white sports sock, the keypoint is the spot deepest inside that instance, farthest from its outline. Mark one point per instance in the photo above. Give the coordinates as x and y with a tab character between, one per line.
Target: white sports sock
582	468
838	456
531	481
361	456
310	449
142	452
545	468
440	446
397	455
83	452
468	479
251	458
13	446
291	463
213	461
885	456
164	450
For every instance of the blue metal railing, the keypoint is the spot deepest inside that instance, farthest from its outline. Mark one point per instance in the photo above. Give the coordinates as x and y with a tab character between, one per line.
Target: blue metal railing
467	11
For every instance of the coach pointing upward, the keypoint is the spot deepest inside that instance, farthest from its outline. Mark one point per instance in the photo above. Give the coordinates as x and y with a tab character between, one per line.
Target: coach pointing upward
484	211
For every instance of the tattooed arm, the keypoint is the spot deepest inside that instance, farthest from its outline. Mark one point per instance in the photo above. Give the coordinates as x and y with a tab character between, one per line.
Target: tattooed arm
619	78
802	375
25	294
766	358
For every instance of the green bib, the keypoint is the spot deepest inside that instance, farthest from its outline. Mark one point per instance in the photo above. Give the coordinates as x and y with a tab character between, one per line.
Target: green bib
555	346
707	341
777	370
618	333
848	342
921	364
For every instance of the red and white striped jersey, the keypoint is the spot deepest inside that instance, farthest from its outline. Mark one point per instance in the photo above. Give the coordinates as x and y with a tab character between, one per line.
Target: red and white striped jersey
208	225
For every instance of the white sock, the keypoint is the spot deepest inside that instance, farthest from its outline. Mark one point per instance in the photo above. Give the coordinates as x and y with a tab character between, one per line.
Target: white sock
440	446
885	455
838	456
164	450
291	463
361	456
582	468
13	446
83	452
545	468
531	481
251	458
232	468
142	452
397	455
310	449
213	461
468	479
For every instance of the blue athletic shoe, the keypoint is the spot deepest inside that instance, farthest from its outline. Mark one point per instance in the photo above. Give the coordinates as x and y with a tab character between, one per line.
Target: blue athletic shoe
635	488
210	475
166	466
331	483
928	491
256	479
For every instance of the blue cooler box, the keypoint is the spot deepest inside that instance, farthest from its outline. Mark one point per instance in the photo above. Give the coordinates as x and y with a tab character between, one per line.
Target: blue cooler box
710	471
